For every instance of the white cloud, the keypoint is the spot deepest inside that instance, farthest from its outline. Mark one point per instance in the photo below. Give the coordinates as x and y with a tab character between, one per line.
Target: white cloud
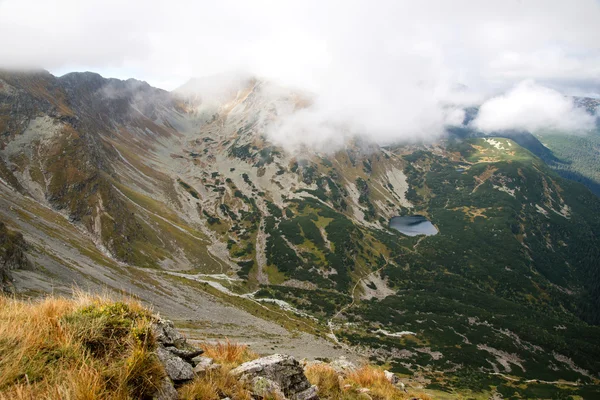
531	107
395	70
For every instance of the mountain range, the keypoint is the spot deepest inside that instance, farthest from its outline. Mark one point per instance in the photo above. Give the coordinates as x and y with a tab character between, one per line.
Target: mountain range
182	199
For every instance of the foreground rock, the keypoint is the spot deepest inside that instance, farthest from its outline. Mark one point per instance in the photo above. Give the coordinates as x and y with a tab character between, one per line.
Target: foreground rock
174	352
391	377
177	356
279	375
202	365
177	368
12	255
343	366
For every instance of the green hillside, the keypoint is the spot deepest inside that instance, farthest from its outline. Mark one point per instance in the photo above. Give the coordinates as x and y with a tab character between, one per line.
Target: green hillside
578	157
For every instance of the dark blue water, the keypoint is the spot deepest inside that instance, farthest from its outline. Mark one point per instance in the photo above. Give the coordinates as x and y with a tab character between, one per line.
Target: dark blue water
413	225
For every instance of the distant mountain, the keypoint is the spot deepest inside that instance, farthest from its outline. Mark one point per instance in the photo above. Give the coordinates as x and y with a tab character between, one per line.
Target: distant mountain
176	196
573	155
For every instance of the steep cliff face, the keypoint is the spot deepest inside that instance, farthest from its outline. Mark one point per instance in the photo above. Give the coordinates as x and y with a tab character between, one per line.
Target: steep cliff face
12	254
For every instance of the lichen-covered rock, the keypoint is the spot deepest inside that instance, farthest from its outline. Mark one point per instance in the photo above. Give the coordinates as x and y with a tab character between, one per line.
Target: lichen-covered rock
166	334
176	368
185	351
167	391
277	371
266	388
204	365
308	394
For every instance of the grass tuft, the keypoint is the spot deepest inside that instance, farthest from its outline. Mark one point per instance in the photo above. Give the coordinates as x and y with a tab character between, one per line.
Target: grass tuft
228	353
88	347
217	384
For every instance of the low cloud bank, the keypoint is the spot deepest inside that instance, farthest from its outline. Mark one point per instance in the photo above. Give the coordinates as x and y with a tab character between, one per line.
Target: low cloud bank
532	108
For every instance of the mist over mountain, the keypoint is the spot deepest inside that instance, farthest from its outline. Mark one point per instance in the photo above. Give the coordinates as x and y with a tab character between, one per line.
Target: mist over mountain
196	196
410	185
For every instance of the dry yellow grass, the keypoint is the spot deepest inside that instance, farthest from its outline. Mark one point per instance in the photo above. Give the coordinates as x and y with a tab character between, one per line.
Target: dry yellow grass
88	347
334	387
217	384
228	353
92	347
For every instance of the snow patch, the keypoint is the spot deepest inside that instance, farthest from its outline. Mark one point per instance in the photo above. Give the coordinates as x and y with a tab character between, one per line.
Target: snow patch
496	144
395	334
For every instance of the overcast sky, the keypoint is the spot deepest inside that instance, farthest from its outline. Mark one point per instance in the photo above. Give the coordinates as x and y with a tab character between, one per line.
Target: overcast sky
405	54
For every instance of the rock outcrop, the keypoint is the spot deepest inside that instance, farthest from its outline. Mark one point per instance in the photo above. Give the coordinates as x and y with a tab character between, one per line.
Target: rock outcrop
279	375
12	254
177	356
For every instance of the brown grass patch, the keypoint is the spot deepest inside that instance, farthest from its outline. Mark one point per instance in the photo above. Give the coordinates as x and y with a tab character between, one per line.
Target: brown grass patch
335	387
228	353
89	347
217	384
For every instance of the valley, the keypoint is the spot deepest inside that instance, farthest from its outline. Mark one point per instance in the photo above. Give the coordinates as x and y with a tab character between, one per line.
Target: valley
188	204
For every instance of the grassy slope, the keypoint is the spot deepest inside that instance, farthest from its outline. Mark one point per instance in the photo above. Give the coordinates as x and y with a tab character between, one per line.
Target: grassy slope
578	157
91	347
87	348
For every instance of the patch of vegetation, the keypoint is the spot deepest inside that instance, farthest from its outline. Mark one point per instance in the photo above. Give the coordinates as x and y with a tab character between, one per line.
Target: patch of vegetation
363	199
323	303
189	189
211	219
245	267
241	152
85	348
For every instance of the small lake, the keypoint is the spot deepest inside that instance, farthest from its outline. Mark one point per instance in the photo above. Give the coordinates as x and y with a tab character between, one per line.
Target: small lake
413	225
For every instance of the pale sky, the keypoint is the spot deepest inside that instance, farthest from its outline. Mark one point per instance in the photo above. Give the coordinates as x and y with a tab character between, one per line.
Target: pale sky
495	43
384	55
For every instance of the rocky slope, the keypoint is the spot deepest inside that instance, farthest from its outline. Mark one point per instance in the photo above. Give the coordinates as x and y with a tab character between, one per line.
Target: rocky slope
185	199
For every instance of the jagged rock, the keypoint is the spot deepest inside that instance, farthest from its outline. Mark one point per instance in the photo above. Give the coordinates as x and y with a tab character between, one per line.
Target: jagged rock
178	369
166	334
167	391
187	352
343	366
391	377
277	371
204	364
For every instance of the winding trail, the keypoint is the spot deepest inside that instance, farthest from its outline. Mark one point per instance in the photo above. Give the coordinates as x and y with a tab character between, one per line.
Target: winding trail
348	306
509	378
249	296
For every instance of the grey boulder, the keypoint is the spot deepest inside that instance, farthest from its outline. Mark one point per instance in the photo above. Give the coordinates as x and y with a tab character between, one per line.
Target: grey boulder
280	374
166	334
204	365
176	368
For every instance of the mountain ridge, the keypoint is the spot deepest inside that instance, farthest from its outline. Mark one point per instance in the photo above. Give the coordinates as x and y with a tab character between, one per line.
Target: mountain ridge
169	195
